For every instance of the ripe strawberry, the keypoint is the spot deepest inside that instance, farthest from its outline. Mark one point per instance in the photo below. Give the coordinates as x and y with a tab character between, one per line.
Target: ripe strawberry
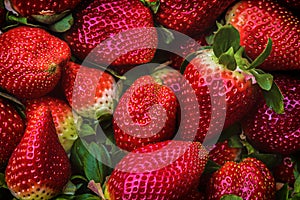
31	61
262	19
89	91
39	167
249	179
43	11
145	114
190	17
11	131
272	132
164	170
284	172
62	117
117	32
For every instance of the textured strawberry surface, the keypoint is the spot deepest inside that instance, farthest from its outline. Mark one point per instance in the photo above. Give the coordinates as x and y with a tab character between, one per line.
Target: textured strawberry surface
272	132
262	19
31	61
119	32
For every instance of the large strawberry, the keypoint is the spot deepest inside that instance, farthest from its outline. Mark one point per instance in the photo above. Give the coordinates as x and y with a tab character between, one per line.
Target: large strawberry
39	167
262	19
117	32
249	179
11	130
62	117
90	92
43	11
31	61
272	132
223	86
189	17
145	114
165	170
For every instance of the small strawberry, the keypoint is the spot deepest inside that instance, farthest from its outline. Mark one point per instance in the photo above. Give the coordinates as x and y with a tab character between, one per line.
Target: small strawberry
115	32
39	167
164	170
90	92
272	132
31	61
11	131
189	17
62	117
224	87
262	19
284	172
249	179
145	114
43	11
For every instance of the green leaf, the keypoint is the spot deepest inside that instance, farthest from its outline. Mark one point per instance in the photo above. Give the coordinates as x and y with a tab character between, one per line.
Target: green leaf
228	60
297	185
240	60
231	197
248	146
2	181
283	193
235	142
263	56
264	80
152	4
211	167
49	17
274	99
63	25
227	36
87	130
296	197
69	189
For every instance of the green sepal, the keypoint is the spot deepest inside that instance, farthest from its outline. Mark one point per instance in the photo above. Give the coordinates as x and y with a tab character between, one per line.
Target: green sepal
211	167
69	189
11	18
235	142
152	4
228	60
231	197
274	99
50	18
283	193
264	80
63	25
241	61
2	181
263	56
297	185
226	37
166	35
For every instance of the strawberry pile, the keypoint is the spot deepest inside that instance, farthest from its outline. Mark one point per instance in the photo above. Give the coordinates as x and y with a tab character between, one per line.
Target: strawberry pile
150	99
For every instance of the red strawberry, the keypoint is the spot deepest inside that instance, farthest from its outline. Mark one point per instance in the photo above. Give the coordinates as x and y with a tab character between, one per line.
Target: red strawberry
284	172
31	61
117	32
190	17
262	19
43	11
249	179
145	114
164	170
272	132
62	117
39	167
11	131
89	91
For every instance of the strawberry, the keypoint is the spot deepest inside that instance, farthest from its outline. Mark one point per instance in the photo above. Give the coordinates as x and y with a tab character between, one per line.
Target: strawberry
11	131
62	117
249	179
145	114
272	132
262	19
89	91
189	17
164	170
284	171
43	11
39	167
31	61
223	87
115	32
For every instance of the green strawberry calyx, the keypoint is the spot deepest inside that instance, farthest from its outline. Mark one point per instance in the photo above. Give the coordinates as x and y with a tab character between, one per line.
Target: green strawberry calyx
152	4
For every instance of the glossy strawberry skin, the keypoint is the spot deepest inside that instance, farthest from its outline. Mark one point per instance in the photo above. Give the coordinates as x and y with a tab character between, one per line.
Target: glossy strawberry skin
39	167
62	117
249	179
190	17
12	128
145	114
31	61
272	132
89	91
128	25
142	174
223	98
259	20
